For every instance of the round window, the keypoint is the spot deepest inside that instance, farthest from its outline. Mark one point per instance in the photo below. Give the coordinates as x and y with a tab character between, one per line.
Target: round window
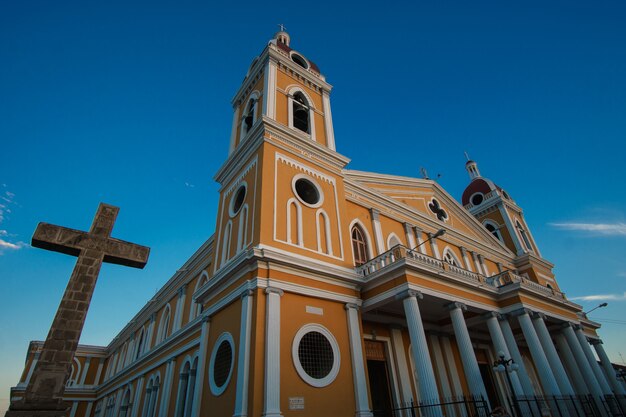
307	191
299	60
237	200
477	199
316	355
221	365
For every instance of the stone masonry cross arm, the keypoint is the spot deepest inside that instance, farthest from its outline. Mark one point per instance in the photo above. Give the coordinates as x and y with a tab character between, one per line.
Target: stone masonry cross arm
72	242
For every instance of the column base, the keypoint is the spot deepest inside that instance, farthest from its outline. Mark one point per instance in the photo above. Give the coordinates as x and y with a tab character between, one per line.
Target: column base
272	414
364	414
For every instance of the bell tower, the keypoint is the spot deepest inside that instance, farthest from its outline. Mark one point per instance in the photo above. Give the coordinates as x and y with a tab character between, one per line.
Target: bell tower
284	86
282	148
504	219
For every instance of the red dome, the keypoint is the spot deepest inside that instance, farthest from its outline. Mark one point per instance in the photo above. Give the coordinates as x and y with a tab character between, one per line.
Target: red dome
478	185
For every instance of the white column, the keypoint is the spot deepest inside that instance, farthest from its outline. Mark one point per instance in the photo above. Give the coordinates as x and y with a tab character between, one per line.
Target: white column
167	388
271	406
584	366
135	406
358	364
378	231
466	349
570	364
440	366
511	343
421	356
481	259
180	307
191	390
468	264
418	235
477	264
449	358
403	366
243	360
582	339
202	365
553	357
183	380
269	97
500	346
88	410
85	370
433	246
548	381
608	368
328	120
233	132
410	237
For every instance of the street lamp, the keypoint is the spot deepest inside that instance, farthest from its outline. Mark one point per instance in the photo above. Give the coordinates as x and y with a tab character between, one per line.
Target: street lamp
595	308
507	366
435	235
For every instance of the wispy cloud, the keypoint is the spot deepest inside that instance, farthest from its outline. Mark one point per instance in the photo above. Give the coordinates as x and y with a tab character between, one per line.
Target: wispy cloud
607	229
190	185
601	297
12	246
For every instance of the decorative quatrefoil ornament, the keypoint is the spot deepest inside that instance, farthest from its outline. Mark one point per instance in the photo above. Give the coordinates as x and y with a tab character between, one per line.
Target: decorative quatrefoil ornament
439	212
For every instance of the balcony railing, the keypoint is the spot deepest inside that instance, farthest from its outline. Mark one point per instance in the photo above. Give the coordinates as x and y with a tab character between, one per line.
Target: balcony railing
500	280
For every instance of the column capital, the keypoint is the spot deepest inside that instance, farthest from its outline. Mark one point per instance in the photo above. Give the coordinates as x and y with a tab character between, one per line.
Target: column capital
417	230
536	315
375	213
520	312
182	290
408	294
474	256
491	314
594	341
454	305
407	226
480	257
463	250
351	306
247	293
273	290
206	319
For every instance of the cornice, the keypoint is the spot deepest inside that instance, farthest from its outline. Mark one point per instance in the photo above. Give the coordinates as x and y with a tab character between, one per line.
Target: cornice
186	273
531	257
284	60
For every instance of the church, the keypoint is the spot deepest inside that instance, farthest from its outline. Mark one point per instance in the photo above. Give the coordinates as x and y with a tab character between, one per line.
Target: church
326	291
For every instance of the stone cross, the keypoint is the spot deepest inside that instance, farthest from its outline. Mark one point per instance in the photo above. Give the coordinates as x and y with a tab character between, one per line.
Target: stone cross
44	393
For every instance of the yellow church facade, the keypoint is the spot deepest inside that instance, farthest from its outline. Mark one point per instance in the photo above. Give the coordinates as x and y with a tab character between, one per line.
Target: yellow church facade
331	292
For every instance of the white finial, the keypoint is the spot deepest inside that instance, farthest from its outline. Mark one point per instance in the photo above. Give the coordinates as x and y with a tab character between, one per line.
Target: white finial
282	36
472	168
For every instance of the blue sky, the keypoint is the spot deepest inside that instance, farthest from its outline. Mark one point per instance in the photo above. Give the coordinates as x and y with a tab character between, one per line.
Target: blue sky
129	103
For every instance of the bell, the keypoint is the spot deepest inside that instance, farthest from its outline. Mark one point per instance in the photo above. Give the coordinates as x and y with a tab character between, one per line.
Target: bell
248	121
301	119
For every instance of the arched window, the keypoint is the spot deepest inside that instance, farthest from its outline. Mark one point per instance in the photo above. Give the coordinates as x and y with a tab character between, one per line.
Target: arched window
450	258
248	119
186	389
73	379
294	222
228	230
300	108
493	229
392	241
164	325
523	235
138	351
152	393
322	223
98	409
242	229
125	406
196	309
359	245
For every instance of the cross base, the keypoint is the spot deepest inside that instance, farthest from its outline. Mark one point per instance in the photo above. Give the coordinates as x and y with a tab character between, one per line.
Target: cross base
39	409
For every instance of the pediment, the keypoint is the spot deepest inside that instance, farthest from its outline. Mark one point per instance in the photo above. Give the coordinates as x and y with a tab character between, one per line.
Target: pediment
427	198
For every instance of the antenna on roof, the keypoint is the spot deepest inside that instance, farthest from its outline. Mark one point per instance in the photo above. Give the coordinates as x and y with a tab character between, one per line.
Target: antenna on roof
424	173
